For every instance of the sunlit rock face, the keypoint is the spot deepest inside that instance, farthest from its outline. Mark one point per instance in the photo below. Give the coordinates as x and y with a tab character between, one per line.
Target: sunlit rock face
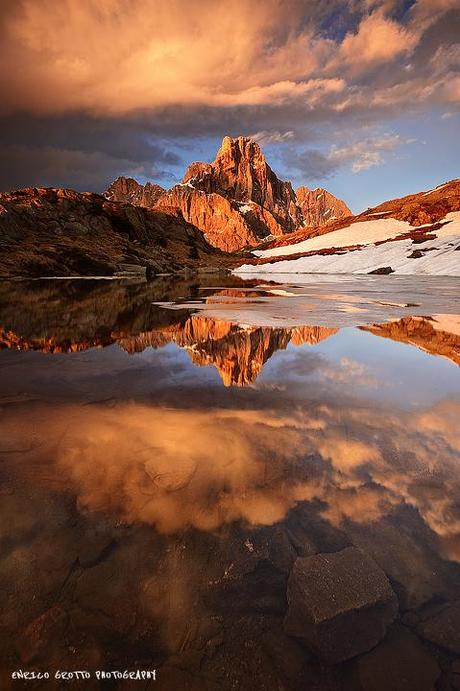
219	218
130	191
241	172
237	200
319	207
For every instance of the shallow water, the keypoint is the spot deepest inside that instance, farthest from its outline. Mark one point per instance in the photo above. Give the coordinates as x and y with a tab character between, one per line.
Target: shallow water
169	451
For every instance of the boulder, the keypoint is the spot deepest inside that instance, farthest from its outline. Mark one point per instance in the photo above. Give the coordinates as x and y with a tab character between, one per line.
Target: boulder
382	271
399	663
443	628
340	604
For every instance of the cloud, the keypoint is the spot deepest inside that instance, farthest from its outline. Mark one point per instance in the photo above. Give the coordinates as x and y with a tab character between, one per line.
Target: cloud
378	40
80	152
265	137
155	465
367	153
358	156
120	56
81	170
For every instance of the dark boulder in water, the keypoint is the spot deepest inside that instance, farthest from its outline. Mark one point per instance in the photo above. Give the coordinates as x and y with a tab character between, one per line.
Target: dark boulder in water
340	604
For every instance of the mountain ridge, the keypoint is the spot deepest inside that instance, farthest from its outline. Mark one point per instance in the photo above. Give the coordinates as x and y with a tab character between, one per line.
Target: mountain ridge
237	201
60	232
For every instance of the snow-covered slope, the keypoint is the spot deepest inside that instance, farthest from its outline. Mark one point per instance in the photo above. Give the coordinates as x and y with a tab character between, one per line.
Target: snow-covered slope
371	245
360	233
364	233
437	258
416	234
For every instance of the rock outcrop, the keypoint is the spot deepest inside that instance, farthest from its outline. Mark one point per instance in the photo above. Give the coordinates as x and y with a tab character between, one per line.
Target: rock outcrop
129	191
221	221
319	207
237	200
60	232
340	604
241	172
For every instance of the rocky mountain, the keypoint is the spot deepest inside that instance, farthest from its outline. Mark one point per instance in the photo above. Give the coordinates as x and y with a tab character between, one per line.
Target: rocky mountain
237	200
319	207
46	232
240	172
130	191
416	234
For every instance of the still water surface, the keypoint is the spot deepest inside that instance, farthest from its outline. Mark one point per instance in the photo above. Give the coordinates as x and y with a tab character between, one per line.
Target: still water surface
171	454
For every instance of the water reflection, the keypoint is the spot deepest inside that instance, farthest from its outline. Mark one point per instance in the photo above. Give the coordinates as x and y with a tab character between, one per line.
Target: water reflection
157	465
151	516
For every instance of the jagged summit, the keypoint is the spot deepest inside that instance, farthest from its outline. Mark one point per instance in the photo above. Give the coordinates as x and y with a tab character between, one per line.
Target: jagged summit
240	172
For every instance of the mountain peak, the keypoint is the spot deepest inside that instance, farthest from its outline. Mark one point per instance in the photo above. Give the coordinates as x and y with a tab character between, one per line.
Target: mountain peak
129	191
243	144
320	207
239	151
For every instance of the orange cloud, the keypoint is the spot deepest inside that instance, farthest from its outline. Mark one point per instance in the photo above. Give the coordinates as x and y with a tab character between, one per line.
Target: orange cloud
378	40
117	56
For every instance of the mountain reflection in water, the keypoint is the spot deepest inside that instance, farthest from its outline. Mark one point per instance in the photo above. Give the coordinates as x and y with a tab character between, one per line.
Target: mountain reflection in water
151	516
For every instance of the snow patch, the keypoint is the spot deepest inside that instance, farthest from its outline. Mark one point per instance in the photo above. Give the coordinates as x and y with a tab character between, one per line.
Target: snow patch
363	233
360	233
435	189
187	184
441	259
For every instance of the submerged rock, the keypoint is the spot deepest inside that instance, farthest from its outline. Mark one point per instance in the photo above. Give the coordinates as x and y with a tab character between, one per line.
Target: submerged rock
443	628
339	604
41	632
399	663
